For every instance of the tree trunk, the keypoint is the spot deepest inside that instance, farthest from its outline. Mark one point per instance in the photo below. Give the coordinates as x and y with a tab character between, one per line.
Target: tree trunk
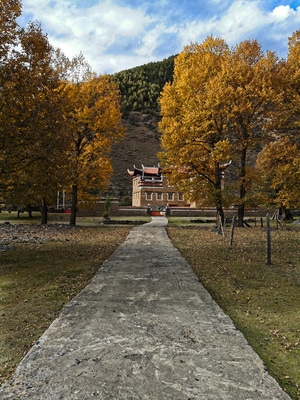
241	214
74	205
241	207
288	214
221	215
44	211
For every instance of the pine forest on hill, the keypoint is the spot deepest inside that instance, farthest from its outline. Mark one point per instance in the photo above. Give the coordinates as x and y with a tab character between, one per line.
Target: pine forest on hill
141	86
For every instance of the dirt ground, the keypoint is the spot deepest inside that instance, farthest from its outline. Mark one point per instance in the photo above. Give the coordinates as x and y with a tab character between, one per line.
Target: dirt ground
35	234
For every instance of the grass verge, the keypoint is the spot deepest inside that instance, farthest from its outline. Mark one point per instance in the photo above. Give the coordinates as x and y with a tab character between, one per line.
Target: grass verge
38	279
263	301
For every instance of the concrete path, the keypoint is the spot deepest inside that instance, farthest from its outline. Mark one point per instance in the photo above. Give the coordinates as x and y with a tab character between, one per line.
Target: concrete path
144	328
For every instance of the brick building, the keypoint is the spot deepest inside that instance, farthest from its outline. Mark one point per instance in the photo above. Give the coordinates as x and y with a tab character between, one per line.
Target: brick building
151	189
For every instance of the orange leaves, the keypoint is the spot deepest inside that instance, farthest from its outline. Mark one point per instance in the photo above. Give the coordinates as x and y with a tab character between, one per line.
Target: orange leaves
32	121
94	124
194	119
57	122
220	106
279	161
294	51
221	151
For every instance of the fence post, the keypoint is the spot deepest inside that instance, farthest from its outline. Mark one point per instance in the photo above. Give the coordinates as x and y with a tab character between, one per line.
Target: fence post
268	240
232	230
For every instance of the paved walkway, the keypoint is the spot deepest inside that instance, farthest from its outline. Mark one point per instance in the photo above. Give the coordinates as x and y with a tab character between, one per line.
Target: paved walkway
144	328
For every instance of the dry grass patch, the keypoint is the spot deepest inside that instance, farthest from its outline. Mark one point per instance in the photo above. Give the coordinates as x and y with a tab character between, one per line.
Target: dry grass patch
39	274
262	300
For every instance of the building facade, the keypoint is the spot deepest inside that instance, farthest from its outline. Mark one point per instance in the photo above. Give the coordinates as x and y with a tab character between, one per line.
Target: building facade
150	188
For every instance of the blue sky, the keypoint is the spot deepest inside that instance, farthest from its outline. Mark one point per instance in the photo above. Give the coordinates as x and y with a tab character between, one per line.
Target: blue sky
115	35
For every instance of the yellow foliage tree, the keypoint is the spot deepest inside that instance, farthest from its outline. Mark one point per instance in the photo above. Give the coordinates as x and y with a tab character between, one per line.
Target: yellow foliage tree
279	161
94	123
248	78
217	107
57	119
194	136
291	84
9	12
32	115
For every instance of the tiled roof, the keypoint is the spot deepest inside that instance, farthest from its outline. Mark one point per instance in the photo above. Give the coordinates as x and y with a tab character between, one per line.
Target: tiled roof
153	171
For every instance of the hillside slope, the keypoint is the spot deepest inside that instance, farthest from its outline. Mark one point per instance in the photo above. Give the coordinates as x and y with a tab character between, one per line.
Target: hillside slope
140	146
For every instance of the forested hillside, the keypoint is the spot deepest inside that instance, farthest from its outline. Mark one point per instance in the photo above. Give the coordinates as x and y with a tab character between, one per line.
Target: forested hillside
141	86
140	89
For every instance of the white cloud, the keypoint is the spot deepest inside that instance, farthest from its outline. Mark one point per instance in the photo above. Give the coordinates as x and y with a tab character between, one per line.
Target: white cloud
246	19
236	24
150	42
116	63
90	30
115	34
241	18
281	13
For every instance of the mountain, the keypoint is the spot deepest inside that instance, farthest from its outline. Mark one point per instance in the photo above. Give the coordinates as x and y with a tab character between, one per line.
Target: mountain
140	89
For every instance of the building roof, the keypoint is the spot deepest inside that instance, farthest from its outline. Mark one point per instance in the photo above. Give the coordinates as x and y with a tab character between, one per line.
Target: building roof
145	171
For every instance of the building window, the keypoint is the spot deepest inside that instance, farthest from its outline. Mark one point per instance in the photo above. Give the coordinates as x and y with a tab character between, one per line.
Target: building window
159	196
148	196
180	196
170	196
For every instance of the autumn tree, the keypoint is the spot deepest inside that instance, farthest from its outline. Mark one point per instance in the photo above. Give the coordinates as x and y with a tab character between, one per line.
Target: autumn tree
247	78
217	108
57	119
291	72
288	114
94	123
10	10
278	163
34	104
194	135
